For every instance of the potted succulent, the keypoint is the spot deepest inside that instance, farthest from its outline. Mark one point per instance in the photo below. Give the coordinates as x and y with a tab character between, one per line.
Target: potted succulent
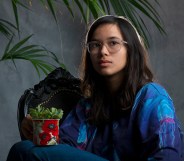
45	125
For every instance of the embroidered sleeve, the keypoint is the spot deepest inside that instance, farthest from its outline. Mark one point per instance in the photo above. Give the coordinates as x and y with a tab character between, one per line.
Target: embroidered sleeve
159	130
74	129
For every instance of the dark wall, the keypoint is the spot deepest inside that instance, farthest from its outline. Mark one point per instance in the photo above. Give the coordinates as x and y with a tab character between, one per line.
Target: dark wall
166	54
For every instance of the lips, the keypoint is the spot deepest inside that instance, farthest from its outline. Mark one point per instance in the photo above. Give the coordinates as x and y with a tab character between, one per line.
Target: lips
104	62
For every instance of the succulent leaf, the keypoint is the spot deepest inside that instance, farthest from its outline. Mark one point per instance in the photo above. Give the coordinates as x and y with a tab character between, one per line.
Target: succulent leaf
41	112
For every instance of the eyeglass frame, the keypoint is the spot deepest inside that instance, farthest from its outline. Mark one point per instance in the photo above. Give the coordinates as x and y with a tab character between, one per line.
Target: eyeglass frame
102	44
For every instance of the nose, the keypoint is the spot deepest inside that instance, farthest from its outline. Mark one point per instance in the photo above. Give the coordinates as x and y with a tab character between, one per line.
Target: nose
104	50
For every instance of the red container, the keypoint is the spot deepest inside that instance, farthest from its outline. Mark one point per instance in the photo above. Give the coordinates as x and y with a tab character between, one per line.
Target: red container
45	132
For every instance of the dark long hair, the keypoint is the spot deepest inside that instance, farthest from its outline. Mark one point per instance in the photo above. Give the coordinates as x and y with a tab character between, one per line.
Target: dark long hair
137	72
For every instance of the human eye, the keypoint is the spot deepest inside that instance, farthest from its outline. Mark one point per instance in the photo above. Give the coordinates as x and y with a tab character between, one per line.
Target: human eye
113	42
94	45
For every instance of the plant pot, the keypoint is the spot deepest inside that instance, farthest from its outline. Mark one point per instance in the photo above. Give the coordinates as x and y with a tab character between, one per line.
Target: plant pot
45	132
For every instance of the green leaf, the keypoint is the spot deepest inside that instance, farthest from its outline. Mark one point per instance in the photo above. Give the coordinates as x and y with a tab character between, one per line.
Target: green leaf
45	69
6	49
15	10
150	8
41	112
31	53
68	6
94	7
132	10
29	48
116	5
6	28
51	6
146	12
131	13
43	2
105	6
14	5
37	69
43	66
19	44
19	3
81	10
8	23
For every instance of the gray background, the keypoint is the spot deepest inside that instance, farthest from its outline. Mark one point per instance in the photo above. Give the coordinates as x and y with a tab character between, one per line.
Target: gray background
166	52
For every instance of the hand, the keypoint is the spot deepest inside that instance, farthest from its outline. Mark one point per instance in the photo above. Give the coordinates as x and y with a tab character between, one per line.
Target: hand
27	127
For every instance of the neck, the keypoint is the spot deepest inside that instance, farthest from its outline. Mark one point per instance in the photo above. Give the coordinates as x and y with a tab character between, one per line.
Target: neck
113	84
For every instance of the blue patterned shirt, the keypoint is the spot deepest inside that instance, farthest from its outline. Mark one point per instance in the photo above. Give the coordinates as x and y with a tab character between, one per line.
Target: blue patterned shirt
149	132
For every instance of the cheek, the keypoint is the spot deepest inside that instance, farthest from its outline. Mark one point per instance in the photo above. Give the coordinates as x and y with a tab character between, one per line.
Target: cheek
93	60
123	58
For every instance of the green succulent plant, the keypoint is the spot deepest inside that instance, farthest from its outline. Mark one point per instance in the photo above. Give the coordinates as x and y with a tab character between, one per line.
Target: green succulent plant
41	112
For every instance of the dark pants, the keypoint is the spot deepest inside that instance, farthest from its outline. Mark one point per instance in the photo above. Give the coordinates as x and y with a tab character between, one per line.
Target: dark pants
27	151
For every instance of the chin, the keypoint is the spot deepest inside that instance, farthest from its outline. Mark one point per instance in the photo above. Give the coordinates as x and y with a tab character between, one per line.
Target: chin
104	73
111	73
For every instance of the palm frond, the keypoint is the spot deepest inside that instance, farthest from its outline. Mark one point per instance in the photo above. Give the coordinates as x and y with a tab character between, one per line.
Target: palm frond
146	8
54	57
105	6
6	28
94	8
14	5
69	7
81	9
15	10
133	9
31	53
51	7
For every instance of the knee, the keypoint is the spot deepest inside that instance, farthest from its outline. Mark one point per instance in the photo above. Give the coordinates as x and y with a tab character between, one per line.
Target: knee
36	153
25	150
22	146
19	150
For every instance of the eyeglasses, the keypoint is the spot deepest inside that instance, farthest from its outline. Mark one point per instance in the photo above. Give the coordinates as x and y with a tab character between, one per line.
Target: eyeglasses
112	45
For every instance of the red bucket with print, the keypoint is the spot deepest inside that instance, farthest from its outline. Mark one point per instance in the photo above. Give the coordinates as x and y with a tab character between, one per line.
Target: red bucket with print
45	132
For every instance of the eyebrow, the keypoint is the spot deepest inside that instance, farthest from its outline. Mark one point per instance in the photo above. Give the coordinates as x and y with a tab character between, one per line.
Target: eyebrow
109	38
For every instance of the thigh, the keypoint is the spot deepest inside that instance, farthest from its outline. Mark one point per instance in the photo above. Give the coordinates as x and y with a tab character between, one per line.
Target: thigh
27	151
61	152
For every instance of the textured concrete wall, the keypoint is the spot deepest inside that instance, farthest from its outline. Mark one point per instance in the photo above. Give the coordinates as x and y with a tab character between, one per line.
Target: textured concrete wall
166	53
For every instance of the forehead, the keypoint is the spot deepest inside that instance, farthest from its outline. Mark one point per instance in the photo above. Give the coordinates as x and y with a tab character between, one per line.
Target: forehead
106	31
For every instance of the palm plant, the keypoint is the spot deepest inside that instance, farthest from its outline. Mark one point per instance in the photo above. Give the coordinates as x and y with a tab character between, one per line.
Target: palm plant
132	9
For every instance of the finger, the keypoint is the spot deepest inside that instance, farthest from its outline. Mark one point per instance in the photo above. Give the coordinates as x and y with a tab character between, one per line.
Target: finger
28	116
27	134
28	129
